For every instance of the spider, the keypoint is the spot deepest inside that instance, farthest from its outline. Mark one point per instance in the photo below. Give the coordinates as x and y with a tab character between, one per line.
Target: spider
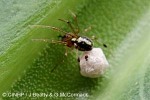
70	39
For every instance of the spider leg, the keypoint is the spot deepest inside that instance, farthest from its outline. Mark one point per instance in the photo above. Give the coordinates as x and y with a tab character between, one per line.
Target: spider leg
98	41
87	29
49	41
50	27
69	24
76	21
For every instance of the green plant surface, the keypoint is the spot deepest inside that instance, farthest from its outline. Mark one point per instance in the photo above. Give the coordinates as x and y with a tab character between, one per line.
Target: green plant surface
25	65
130	80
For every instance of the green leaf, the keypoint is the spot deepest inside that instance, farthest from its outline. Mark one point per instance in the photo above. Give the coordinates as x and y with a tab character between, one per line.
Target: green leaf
130	65
25	65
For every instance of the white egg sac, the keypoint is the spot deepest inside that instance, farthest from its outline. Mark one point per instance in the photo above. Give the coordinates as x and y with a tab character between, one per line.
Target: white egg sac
93	63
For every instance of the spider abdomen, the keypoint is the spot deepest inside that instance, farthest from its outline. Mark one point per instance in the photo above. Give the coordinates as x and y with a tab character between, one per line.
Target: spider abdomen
83	44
